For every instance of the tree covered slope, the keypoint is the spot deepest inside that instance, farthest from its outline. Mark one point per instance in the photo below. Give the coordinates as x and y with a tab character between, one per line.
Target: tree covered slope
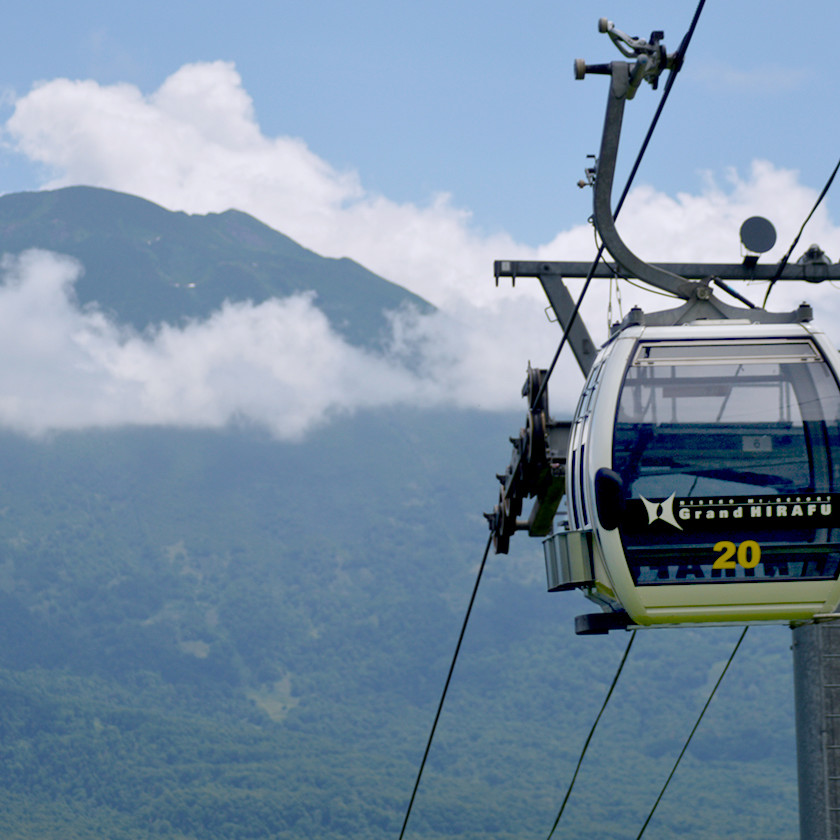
215	635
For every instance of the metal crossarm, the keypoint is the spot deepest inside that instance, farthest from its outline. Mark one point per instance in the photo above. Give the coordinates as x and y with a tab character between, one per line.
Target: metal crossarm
809	272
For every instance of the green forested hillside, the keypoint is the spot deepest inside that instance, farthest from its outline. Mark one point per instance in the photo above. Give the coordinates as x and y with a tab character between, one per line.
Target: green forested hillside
216	635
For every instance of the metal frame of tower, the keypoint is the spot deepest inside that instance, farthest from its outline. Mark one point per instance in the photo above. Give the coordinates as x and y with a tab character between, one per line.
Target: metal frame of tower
816	680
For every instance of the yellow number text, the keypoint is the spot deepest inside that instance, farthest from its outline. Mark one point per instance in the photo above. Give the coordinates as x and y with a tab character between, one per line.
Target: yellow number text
748	554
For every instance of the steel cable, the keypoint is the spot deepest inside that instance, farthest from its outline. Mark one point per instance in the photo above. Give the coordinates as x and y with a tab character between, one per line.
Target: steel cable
668	86
784	260
591	733
446	686
691	734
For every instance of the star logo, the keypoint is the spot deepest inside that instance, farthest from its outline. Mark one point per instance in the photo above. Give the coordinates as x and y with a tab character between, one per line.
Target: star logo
663	510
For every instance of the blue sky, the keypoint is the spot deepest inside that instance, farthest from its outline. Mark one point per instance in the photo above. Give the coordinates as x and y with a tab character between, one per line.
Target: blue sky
476	100
423	140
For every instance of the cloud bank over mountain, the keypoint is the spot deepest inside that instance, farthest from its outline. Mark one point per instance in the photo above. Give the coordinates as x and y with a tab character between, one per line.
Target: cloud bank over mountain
195	145
278	364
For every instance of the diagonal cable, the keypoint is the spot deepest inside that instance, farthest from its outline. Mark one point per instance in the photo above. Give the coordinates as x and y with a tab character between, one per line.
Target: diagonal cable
591	733
691	734
446	686
784	260
668	85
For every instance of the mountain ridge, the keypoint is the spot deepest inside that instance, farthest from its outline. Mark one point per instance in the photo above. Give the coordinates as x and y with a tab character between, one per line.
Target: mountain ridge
144	264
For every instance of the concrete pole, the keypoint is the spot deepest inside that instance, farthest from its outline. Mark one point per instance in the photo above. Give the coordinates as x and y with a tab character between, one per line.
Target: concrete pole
816	676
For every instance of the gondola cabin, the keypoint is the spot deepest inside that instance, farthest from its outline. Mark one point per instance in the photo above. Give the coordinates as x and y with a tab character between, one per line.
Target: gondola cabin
703	476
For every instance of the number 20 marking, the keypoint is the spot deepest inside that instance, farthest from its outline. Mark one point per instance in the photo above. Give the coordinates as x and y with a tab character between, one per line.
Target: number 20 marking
748	553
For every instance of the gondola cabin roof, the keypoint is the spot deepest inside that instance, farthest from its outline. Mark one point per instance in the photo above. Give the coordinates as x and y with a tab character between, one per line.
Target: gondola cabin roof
703	476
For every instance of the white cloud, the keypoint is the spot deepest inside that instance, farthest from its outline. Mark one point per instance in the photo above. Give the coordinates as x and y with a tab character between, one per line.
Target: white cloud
278	363
195	145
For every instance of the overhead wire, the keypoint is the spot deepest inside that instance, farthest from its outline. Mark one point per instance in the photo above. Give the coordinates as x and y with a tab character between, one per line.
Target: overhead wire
591	733
691	734
784	260
668	85
650	291
446	686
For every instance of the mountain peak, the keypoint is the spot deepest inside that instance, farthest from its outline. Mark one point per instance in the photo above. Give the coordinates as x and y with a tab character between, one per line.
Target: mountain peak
144	264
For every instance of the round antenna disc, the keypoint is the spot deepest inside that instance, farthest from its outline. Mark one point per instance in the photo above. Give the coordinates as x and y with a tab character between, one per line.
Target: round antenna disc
758	234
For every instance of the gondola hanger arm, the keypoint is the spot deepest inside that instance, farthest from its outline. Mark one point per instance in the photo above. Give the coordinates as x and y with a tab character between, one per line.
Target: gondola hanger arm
625	79
651	59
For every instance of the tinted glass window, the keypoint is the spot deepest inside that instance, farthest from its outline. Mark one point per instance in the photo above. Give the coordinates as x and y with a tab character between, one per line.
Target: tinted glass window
728	450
